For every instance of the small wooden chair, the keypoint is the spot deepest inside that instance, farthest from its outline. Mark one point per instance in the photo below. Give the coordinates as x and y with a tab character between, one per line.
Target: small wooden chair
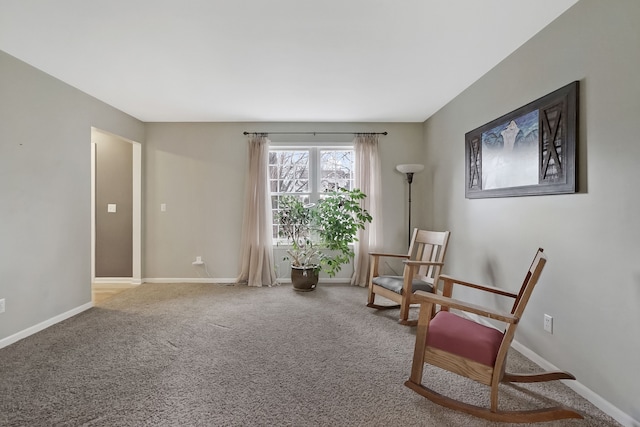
476	351
422	266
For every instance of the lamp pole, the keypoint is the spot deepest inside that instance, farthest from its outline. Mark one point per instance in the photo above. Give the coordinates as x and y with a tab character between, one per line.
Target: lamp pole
409	170
409	180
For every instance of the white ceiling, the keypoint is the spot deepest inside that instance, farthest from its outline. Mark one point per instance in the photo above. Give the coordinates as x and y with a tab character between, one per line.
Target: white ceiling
271	60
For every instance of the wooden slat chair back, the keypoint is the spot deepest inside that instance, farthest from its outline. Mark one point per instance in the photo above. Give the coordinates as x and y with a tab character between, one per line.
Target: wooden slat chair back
476	351
429	246
422	266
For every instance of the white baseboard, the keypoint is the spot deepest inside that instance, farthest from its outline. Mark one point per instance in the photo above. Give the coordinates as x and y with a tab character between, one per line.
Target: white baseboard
43	325
116	280
605	406
111	285
189	280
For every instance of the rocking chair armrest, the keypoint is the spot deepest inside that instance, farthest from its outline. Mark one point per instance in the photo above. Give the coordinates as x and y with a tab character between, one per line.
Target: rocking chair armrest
427	297
486	288
382	254
413	262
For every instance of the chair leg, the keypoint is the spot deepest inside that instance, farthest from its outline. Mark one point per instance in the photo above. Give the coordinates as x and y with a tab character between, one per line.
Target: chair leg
404	312
494	396
417	366
373	272
372	297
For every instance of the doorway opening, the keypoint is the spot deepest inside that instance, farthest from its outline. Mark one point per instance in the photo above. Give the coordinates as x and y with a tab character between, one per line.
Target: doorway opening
111	268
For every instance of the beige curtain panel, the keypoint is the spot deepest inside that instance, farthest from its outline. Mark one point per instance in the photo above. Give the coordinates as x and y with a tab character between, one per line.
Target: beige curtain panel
257	228
368	181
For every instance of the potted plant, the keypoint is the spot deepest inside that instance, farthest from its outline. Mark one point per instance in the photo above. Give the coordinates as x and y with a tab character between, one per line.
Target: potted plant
321	234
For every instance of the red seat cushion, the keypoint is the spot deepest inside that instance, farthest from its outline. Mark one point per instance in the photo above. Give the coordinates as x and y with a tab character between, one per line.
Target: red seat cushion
463	337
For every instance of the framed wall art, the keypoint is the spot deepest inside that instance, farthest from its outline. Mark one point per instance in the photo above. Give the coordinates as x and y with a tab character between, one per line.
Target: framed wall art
529	151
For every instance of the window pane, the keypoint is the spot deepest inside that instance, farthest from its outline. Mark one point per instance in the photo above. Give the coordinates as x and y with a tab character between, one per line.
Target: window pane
275	207
289	171
336	170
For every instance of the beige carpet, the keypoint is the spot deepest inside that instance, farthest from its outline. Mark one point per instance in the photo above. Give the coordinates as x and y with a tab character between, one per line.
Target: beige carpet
214	355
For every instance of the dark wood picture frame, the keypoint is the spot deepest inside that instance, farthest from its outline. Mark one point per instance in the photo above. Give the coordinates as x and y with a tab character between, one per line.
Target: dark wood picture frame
529	151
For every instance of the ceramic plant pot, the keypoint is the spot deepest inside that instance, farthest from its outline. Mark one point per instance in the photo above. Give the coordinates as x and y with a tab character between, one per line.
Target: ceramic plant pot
304	279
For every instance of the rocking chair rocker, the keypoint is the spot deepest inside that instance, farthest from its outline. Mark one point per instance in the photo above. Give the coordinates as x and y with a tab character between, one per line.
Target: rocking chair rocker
475	351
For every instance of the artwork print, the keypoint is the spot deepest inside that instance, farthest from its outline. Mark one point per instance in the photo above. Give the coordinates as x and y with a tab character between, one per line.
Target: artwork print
529	151
510	153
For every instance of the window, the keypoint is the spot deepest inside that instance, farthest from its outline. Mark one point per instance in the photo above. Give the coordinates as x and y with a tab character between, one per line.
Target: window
307	172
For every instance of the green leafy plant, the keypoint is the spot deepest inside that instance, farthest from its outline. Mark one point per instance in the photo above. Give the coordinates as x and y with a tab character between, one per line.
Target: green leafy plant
321	234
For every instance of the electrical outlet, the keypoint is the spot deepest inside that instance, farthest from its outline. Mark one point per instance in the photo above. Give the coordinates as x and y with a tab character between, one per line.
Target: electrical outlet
548	323
2	305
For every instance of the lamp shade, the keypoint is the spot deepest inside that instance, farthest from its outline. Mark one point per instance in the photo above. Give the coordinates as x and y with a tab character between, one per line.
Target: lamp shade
410	168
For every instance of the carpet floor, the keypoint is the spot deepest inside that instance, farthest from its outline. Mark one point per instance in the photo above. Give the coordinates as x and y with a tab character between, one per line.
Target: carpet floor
215	355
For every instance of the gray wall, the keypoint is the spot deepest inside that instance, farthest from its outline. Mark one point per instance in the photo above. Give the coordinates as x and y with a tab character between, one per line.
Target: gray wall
45	176
591	285
198	170
114	185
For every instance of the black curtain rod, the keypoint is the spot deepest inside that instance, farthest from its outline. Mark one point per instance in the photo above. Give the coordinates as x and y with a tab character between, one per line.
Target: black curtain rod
313	133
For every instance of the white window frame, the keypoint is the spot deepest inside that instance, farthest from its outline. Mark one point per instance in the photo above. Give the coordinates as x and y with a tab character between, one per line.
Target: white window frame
315	173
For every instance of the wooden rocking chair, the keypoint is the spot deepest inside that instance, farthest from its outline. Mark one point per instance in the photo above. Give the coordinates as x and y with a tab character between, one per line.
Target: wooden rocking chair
422	266
475	351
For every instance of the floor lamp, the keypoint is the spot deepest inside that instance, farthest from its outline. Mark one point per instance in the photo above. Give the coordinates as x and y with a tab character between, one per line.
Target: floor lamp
410	169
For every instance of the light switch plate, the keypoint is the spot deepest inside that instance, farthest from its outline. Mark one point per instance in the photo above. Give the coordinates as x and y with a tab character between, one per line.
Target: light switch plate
111	207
